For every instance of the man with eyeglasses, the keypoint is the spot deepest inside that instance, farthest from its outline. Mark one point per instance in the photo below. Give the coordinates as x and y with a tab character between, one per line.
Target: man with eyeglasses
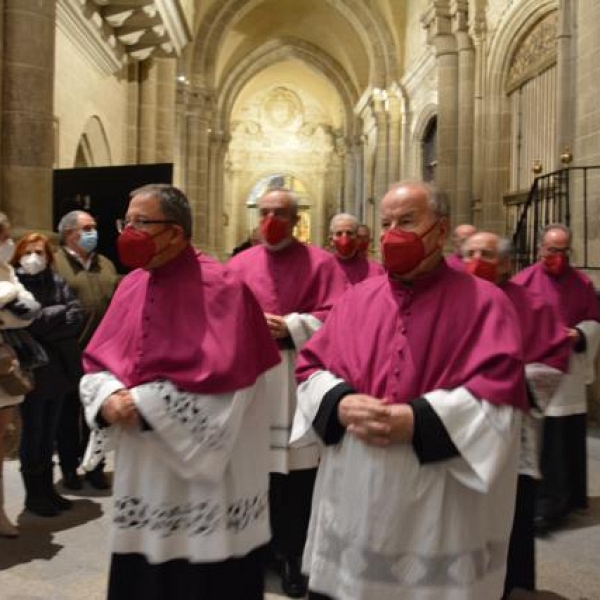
93	278
296	285
564	458
175	378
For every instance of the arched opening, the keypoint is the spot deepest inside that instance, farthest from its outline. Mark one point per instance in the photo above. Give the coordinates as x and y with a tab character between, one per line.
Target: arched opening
93	149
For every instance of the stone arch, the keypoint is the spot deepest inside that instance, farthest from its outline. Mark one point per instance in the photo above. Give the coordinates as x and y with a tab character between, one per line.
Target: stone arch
275	51
511	30
371	28
93	149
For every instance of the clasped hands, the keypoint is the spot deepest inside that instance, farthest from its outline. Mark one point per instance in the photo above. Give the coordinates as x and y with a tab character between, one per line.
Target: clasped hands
376	422
277	326
120	409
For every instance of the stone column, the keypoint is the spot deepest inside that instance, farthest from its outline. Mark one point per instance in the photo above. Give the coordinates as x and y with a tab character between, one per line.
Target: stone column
439	28
217	150
466	106
157	101
478	36
565	122
381	151
395	125
27	120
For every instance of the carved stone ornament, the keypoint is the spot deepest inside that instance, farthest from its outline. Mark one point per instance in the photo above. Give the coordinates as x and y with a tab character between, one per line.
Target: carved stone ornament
536	52
283	109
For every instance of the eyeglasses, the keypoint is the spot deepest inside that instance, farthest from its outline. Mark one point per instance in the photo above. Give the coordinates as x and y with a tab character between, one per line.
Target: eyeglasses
554	250
141	223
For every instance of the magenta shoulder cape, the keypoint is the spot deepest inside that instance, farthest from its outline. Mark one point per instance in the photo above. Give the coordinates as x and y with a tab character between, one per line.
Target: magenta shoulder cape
189	321
572	292
299	278
545	338
398	342
359	267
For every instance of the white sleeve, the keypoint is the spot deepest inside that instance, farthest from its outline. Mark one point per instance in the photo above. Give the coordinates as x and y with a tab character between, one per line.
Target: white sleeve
11	290
309	394
486	436
301	327
543	381
197	432
591	330
94	389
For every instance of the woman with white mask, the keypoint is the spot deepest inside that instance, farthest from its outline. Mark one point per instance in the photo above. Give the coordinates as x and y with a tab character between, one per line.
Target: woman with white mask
56	328
17	309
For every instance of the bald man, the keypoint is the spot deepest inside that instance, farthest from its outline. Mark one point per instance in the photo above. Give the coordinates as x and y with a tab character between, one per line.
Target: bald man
460	235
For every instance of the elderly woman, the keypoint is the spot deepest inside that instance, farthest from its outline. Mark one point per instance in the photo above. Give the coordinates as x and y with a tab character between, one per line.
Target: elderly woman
56	328
17	308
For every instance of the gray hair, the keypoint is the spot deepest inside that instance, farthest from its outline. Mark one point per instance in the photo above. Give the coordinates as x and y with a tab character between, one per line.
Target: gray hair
294	200
550	227
68	223
438	200
343	217
173	204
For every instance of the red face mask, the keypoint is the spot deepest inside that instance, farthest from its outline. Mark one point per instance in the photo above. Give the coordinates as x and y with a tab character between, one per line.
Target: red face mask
483	269
362	245
345	246
274	230
136	248
403	251
555	264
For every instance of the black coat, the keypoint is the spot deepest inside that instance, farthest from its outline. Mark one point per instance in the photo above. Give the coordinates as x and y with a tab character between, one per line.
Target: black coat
56	328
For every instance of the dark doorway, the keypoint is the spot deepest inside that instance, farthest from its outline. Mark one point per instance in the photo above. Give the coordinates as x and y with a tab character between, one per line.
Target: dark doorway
104	193
430	150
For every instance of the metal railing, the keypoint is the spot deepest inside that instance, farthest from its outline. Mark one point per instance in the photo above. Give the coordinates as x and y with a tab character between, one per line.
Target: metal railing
564	196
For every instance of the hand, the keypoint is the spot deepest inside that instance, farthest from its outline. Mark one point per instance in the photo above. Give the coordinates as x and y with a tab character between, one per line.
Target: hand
119	408
573	335
367	418
277	326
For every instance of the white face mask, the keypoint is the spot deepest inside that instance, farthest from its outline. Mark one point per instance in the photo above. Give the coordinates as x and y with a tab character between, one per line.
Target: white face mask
7	249
33	264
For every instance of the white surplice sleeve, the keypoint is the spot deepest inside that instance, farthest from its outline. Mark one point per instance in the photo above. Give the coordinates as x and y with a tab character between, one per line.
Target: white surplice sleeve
301	327
486	435
310	394
197	432
94	389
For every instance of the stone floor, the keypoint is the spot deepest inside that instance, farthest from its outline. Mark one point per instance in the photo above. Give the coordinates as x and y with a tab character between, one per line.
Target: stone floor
66	557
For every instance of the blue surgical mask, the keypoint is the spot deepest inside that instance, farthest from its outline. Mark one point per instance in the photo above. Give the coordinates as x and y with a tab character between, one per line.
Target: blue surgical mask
88	240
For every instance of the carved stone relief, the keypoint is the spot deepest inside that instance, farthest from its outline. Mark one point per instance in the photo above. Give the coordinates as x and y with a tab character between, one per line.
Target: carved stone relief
535	53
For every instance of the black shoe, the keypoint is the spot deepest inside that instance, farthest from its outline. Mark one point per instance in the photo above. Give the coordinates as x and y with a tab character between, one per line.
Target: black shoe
41	505
293	583
59	501
98	480
72	481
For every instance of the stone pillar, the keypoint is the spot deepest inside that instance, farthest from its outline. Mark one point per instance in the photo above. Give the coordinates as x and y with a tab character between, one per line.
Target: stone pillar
133	113
382	147
27	120
395	125
157	101
217	150
565	122
439	28
193	132
466	106
478	36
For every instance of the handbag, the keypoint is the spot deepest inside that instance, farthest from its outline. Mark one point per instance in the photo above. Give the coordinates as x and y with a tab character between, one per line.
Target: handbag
13	379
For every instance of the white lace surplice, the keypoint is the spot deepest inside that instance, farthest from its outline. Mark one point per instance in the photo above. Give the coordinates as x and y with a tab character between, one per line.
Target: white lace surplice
195	486
384	526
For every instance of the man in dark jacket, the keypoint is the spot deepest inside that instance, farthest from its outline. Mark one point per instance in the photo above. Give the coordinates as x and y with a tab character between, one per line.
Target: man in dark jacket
94	278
